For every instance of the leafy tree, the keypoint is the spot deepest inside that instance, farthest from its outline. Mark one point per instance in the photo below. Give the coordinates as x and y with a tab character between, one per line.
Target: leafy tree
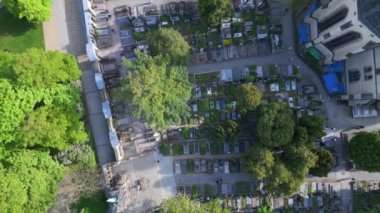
228	131
214	207
279	182
14	103
170	44
159	92
265	207
314	126
38	125
275	125
249	97
218	133
80	156
33	10
300	136
364	150
182	203
323	164
232	130
213	11
259	162
29	180
37	68
299	160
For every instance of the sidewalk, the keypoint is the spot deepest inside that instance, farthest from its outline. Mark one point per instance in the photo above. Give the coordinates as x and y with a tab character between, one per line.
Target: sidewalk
55	30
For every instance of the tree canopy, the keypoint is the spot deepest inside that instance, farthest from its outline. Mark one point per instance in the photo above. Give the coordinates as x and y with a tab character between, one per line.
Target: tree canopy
158	92
260	162
249	97
40	110
28	180
275	125
227	131
313	125
37	68
170	44
282	157
323	164
182	203
33	10
364	150
213	11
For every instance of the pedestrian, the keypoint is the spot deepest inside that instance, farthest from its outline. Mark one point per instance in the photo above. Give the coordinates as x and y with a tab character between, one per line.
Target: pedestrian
158	161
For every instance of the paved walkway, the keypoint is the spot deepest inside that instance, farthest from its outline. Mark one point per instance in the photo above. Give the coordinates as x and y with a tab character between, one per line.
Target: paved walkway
64	32
55	30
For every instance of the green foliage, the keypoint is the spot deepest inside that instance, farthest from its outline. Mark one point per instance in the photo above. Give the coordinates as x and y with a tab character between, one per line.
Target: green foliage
300	136
265	207
275	125
80	156
39	110
33	10
314	126
323	164
38	125
364	150
93	203
366	202
45	69
299	160
259	162
283	157
159	92
213	11
248	98
170	44
226	132
17	35
28	180
182	203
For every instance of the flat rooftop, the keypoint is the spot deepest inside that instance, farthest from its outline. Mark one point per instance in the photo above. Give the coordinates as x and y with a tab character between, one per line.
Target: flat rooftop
361	75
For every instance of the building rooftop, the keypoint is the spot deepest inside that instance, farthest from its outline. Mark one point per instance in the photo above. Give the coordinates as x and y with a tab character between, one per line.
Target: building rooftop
369	14
361	76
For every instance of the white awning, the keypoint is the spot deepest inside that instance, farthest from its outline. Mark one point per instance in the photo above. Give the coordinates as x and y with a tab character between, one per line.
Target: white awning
99	81
106	109
113	138
91	52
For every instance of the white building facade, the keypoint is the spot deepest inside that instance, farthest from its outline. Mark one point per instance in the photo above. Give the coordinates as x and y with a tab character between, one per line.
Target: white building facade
341	28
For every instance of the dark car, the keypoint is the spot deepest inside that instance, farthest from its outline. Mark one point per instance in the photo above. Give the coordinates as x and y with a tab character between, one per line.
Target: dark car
359	127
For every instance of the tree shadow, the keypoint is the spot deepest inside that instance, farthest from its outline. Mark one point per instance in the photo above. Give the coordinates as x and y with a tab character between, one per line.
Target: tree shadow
12	26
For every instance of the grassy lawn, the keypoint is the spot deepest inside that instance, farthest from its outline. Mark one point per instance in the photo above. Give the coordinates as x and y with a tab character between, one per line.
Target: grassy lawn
17	35
247	14
194	191
177	149
298	5
203	106
201	41
207	77
261	20
164	149
203	146
217	148
366	202
138	36
214	39
242	188
190	167
208	191
95	203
